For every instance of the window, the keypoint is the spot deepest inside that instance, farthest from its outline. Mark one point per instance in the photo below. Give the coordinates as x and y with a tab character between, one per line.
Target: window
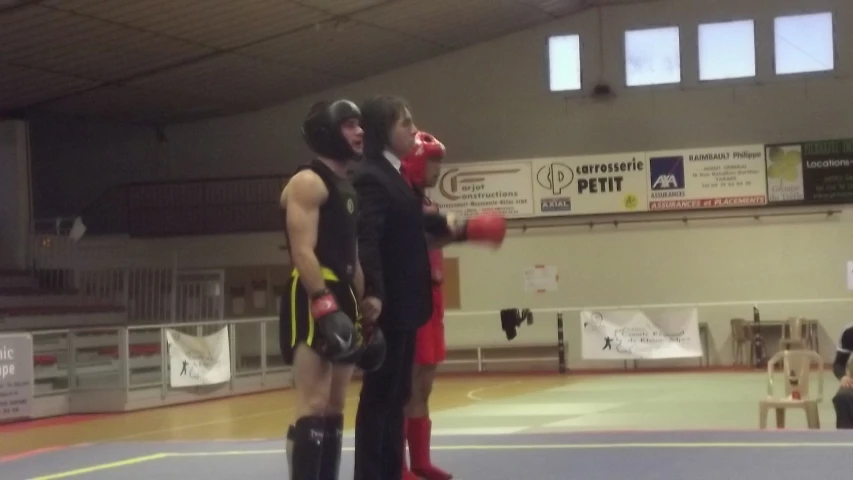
652	57
564	54
804	43
727	50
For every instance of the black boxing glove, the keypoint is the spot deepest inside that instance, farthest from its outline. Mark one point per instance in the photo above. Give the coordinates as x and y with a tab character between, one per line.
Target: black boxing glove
335	330
373	354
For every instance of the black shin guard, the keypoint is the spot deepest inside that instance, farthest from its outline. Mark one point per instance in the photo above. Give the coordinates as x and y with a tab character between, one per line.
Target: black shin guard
332	445
291	434
307	453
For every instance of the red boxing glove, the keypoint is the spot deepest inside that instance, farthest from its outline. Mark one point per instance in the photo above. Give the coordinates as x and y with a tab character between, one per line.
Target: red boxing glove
488	228
427	147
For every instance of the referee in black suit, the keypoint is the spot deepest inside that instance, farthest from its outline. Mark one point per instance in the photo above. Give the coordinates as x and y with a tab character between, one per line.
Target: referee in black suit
393	253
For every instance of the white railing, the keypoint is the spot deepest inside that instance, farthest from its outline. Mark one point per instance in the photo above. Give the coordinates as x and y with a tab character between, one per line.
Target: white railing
134	358
157	291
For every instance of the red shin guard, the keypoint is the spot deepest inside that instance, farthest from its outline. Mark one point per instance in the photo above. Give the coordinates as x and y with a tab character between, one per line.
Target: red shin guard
418	433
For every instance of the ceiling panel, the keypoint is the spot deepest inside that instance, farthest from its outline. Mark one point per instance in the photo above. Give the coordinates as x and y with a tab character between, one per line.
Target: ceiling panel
454	23
21	86
218	23
196	58
62	42
132	104
617	2
343	7
238	79
559	8
350	50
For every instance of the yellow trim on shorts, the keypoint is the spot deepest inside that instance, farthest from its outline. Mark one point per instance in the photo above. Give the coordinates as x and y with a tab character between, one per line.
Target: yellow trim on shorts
329	276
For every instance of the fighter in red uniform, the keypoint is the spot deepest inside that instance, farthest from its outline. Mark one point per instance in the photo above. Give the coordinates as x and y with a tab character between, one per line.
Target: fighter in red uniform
421	169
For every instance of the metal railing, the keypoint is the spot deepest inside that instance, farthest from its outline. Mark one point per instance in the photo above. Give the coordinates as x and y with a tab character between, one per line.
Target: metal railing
204	207
187	207
135	358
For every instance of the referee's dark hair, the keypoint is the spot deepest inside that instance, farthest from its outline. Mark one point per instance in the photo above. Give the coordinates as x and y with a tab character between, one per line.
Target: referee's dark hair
378	116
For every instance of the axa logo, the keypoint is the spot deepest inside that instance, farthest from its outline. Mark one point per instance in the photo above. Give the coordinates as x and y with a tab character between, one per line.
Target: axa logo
456	183
666	173
665	181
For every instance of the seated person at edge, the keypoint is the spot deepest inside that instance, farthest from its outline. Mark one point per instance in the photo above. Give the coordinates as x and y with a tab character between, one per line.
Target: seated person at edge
843	399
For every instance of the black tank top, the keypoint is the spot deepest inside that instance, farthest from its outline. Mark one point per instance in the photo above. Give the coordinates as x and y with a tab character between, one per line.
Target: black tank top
336	233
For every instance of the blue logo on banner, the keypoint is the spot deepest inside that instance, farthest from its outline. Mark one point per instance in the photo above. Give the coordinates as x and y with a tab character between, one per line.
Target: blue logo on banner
666	173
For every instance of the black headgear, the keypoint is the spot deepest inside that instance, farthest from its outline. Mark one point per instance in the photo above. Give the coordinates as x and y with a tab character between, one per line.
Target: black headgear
322	129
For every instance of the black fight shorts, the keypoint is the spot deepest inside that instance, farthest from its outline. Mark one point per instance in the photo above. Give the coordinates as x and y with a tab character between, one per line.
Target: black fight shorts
296	324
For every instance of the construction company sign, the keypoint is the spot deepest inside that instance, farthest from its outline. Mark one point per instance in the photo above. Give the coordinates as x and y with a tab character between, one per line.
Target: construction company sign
707	178
597	184
471	189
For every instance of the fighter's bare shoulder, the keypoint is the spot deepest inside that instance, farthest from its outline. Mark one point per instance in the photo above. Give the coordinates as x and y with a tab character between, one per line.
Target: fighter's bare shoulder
306	188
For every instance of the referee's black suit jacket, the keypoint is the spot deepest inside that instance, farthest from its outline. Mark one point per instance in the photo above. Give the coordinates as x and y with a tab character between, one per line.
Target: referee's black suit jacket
393	252
392	245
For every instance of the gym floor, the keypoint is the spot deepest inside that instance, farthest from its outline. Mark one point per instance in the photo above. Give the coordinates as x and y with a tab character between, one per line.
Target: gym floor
691	426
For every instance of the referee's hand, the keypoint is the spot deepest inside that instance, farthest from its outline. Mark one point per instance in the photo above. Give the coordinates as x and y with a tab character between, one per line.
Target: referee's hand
371	307
846	382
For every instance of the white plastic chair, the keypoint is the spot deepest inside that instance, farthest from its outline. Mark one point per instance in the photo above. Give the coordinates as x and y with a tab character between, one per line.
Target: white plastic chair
796	364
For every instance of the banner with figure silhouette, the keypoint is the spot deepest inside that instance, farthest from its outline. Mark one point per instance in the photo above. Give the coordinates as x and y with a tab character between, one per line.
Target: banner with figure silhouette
640	334
198	361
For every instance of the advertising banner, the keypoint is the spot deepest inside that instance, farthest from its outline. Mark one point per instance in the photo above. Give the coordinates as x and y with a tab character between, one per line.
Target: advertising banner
636	334
589	185
810	172
707	178
473	188
16	376
196	361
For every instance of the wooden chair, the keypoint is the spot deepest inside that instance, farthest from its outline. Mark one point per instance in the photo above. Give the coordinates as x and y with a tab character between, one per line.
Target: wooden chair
740	340
794	364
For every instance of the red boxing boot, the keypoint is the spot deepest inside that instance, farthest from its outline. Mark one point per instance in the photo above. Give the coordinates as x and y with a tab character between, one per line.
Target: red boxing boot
419	432
407	474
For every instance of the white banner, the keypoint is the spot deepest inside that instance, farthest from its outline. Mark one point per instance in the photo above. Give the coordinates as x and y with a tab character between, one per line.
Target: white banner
596	184
198	361
634	334
17	375
707	178
470	189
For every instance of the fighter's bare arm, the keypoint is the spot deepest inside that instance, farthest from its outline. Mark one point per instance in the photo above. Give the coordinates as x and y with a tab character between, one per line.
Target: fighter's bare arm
358	278
303	196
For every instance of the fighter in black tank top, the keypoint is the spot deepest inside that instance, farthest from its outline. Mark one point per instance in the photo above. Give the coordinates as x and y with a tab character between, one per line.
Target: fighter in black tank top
336	233
321	335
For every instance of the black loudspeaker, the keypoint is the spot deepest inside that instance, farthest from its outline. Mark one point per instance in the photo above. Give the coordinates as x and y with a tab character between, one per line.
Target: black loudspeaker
512	318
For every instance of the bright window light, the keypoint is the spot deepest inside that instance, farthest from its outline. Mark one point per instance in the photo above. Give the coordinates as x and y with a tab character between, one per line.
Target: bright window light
652	57
804	43
564	58
727	50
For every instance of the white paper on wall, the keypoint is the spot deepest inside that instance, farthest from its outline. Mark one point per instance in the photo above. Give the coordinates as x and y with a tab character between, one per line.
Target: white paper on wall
540	279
